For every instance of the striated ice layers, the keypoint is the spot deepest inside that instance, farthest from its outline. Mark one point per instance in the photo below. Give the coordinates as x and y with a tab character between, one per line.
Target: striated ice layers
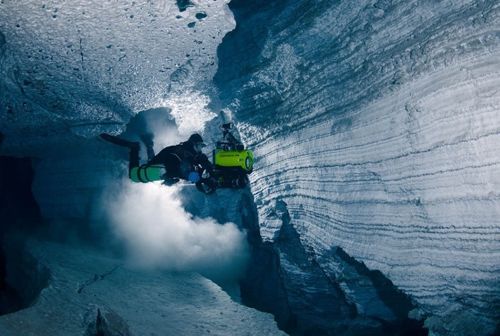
377	124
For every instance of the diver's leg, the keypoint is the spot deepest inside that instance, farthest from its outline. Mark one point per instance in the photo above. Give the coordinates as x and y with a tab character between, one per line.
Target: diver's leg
117	140
133	147
147	140
133	156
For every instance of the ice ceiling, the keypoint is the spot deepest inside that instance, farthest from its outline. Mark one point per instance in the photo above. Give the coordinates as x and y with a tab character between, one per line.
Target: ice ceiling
82	67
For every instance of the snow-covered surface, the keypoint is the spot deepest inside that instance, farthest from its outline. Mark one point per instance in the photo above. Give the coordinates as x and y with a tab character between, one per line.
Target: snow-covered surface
84	280
378	124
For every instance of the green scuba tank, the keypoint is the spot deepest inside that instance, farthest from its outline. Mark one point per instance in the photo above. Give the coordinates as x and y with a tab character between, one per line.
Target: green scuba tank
234	159
147	173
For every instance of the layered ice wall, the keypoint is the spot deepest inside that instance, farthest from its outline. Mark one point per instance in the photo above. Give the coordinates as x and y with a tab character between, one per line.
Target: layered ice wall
377	124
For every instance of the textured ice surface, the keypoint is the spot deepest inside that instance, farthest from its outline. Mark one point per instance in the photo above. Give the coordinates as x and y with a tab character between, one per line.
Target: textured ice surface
378	123
132	302
87	66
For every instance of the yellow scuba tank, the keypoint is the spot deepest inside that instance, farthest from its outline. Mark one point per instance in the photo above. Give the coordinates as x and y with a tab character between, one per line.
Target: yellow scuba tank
243	159
147	173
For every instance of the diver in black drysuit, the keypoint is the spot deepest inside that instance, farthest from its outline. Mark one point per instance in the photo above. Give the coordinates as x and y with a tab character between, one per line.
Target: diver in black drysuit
183	161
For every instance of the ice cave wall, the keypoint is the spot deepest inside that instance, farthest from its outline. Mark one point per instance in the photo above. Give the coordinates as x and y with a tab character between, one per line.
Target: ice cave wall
378	124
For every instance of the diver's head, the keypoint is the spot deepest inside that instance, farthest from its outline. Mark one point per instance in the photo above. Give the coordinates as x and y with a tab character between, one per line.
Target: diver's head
197	141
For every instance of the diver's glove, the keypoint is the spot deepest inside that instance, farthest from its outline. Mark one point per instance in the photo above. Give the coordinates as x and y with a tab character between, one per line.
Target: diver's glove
194	177
206	174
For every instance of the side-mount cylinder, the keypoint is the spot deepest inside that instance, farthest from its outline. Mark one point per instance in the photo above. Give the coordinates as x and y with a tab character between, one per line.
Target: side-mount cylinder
147	173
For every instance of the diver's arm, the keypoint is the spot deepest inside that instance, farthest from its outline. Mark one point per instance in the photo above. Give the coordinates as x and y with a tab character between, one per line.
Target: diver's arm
203	161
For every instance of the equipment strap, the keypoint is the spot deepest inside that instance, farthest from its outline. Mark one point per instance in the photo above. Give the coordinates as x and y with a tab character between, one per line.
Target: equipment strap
177	156
139	171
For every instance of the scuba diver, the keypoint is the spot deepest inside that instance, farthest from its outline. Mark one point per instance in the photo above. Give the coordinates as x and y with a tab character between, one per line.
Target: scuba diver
183	161
232	162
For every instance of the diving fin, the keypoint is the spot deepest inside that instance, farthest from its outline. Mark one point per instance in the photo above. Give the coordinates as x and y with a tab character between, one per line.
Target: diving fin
119	141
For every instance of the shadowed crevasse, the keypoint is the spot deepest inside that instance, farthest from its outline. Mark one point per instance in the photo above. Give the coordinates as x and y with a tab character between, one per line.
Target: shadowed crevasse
21	276
2	41
285	279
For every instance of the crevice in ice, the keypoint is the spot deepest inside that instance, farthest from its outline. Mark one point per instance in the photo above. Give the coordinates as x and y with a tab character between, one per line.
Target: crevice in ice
262	286
3	41
332	295
96	278
21	277
357	280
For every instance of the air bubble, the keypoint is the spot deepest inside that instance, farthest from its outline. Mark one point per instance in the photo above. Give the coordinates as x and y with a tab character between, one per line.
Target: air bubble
201	15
